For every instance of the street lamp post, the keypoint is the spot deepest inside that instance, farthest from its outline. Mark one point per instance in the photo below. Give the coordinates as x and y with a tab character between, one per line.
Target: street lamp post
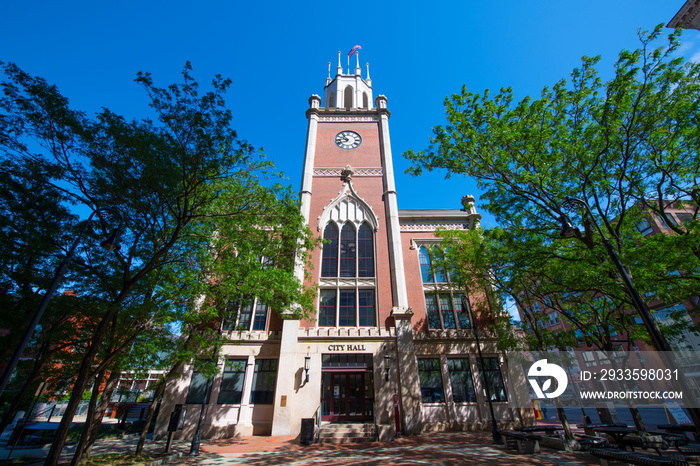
568	230
495	433
110	244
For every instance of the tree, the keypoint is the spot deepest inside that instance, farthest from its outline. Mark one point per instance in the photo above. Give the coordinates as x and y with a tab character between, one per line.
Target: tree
596	141
625	146
190	192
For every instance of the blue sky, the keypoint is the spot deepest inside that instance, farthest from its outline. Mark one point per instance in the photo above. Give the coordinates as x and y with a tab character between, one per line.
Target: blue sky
277	55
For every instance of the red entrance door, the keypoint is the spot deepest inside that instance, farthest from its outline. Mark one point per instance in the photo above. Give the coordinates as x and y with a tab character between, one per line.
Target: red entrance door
347	396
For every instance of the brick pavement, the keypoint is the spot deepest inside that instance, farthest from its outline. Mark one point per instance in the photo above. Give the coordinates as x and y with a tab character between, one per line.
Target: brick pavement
427	449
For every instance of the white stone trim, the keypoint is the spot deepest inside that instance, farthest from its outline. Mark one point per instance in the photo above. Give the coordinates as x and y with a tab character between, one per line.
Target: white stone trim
348	206
362	171
432	225
347	118
350	282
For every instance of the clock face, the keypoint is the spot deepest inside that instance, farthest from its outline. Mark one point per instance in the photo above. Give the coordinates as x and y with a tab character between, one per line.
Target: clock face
347	140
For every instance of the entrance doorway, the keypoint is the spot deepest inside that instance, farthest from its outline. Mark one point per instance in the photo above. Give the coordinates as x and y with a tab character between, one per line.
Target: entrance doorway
347	393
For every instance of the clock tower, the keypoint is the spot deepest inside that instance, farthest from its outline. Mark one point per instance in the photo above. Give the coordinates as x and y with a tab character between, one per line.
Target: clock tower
348	197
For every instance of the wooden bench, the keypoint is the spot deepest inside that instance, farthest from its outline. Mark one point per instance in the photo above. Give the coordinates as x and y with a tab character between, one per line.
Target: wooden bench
607	455
524	442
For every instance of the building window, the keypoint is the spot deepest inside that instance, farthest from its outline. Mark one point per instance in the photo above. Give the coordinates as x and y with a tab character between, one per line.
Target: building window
329	263
644	228
425	270
198	387
492	378
685	218
553	318
232	381
351	307
264	382
326	311
331	100
239	315
444	308
365	100
461	380
355	249
348	251
430	378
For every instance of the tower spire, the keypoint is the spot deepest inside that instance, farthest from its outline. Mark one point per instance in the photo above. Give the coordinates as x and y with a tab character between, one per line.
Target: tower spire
339	70
369	81
358	71
328	79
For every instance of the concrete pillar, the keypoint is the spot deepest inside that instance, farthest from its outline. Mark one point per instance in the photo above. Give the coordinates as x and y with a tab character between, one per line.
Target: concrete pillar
286	386
407	365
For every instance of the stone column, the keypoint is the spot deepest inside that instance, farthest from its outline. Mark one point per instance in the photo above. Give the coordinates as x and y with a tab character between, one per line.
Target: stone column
282	418
407	366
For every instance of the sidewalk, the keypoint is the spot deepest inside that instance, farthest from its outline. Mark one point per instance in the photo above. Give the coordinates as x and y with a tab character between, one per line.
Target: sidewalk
452	448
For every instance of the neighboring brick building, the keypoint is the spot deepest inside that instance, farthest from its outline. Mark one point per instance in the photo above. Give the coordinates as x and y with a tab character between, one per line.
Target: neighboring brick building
686	345
388	330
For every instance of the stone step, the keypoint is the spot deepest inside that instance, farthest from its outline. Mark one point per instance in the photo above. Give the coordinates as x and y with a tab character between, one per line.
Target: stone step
342	433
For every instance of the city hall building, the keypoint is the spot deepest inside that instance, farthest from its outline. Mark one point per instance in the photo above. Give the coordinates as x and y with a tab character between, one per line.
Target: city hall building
391	348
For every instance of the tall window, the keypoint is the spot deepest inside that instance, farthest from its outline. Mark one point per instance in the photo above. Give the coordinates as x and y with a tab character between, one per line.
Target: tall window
491	377
264	382
461	380
198	387
232	381
348	253
329	263
444	306
355	250
240	316
430	380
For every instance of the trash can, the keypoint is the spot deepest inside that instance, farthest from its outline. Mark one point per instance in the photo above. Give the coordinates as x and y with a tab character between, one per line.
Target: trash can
307	431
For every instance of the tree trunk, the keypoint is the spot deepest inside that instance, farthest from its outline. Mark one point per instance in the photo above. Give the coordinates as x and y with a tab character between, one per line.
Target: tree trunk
79	386
149	416
568	435
95	415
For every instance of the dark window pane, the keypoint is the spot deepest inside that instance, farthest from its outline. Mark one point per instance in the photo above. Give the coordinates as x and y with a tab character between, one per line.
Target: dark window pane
461	380
232	381
494	380
260	316
448	317
433	313
365	252
367	308
329	263
326	311
346	310
246	314
430	381
231	315
264	381
424	260
347	251
462	311
198	386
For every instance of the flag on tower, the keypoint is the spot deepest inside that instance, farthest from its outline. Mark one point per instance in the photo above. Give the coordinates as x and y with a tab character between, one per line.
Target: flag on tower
353	50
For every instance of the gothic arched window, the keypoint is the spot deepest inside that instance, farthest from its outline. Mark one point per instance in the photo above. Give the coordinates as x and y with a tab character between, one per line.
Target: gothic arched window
329	264
348	256
365	101
331	100
348	251
444	305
